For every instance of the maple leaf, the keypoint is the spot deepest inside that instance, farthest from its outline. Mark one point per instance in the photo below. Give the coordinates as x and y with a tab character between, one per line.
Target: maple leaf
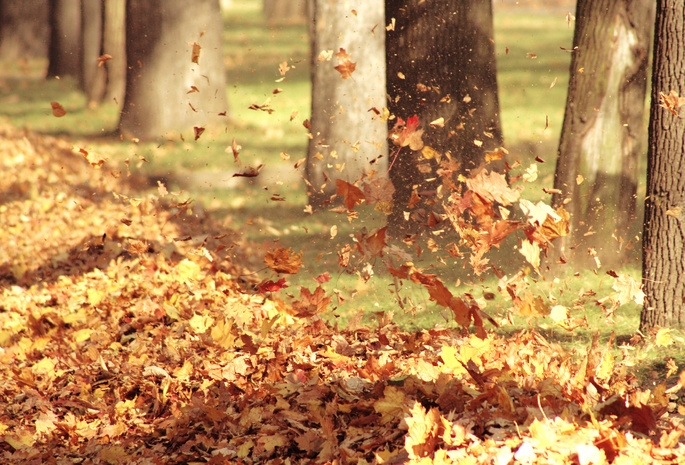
424	431
371	245
271	286
57	109
352	195
345	65
310	303
378	189
283	260
672	102
493	187
407	134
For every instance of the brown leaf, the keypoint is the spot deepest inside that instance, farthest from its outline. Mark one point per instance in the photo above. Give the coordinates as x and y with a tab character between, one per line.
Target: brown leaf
57	109
195	58
283	260
346	66
102	59
311	304
198	131
352	195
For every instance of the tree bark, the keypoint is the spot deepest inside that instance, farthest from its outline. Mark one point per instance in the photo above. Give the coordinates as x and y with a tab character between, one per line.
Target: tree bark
441	64
166	92
65	38
348	137
663	252
603	133
104	34
24	29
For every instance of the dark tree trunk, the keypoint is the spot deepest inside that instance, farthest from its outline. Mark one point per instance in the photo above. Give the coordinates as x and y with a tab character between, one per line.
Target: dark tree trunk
65	38
166	92
24	29
663	243
348	138
603	134
441	64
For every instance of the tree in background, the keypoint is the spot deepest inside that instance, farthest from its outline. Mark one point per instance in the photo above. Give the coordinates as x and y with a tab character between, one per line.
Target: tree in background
603	132
663	244
175	79
23	29
285	11
64	52
348	94
104	50
440	66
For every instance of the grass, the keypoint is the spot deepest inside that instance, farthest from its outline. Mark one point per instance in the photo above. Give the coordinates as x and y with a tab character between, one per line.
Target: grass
532	97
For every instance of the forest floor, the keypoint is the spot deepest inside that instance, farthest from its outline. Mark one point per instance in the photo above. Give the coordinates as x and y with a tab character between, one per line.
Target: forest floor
151	311
129	334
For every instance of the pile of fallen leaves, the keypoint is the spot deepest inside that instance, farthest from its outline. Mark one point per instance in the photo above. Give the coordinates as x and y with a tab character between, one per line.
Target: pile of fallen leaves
126	336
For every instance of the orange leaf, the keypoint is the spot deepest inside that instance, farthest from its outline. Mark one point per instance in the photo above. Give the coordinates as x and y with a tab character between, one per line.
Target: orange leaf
352	195
346	66
283	261
58	110
310	304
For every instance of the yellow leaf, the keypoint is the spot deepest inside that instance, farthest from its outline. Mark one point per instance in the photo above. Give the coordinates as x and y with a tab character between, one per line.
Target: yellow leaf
449	358
95	296
20	440
664	337
44	367
391	405
82	334
531	251
429	153
244	449
183	373
558	314
222	333
201	323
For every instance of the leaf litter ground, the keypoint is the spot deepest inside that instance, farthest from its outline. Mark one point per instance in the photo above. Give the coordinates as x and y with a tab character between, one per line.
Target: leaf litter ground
127	335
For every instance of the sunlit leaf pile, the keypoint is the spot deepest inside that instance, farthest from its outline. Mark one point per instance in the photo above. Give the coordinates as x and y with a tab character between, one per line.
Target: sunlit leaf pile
128	335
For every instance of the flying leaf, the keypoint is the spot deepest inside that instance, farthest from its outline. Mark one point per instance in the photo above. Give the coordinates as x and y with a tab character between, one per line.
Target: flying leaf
102	59
672	102
195	58
198	131
352	195
283	260
371	245
57	109
311	303
493	186
271	286
345	65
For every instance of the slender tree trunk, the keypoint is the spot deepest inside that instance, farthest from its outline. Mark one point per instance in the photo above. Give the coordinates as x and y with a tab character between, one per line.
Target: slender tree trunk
104	34
114	44
285	11
441	64
94	76
603	134
65	38
348	136
166	92
663	253
24	29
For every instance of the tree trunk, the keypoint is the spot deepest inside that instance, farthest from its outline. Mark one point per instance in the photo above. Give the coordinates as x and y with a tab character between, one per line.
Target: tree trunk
603	133
94	76
65	38
114	44
23	29
441	64
348	137
104	34
663	244
285	11
166	92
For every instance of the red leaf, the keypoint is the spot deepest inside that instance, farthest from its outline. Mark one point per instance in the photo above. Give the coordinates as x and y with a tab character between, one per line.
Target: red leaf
270	286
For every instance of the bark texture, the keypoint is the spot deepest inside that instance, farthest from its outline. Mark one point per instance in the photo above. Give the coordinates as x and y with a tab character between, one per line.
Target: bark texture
103	32
663	268
348	137
65	38
166	92
603	134
441	64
